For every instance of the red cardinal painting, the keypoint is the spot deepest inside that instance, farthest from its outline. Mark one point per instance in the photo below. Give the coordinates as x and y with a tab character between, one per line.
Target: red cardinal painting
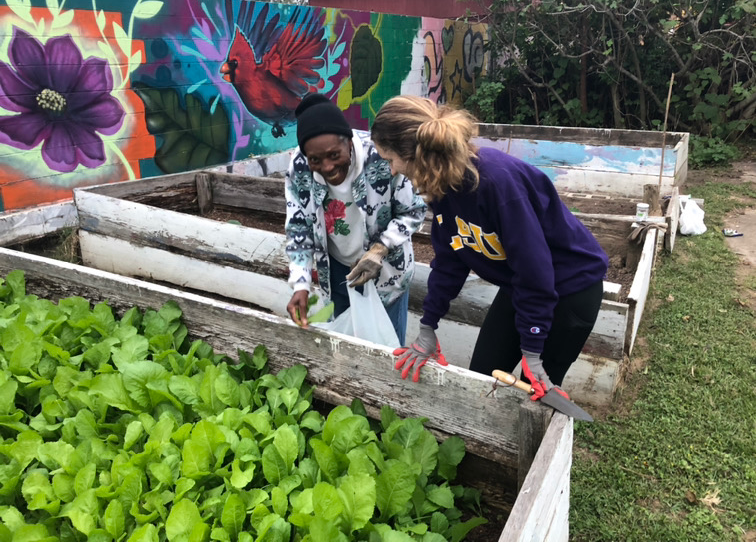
272	65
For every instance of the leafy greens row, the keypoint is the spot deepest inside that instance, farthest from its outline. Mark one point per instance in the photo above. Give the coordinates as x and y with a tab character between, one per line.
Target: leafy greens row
116	429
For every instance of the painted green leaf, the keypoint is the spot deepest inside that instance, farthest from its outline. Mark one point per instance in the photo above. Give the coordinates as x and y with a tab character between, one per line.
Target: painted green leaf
147	9
367	54
358	494
193	136
394	488
182	519
113	519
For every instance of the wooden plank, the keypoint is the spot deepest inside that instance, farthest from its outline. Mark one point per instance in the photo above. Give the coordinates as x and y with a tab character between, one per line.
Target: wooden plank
177	191
546	484
586	136
34	223
533	425
204	193
341	367
673	218
636	298
247	192
218	242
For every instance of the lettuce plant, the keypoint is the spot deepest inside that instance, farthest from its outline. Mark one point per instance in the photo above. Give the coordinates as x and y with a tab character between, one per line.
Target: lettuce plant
124	429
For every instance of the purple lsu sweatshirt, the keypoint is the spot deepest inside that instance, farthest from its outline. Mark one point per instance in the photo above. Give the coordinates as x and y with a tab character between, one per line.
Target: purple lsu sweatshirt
513	231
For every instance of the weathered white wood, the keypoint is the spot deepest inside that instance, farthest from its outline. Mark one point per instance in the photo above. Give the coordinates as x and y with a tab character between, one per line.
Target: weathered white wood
225	243
36	222
533	425
204	192
136	260
594	160
636	298
259	166
547	483
673	217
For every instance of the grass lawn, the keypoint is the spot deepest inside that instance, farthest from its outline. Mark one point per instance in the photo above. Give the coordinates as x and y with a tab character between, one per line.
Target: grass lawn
674	459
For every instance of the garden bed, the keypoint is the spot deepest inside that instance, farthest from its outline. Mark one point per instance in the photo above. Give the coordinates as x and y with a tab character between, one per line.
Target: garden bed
519	453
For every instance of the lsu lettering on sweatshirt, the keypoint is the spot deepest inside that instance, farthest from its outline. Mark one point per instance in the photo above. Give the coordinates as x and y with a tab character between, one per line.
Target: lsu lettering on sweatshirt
513	231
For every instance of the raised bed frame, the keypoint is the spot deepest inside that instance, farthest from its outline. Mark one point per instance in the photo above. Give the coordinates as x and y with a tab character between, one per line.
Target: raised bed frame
505	433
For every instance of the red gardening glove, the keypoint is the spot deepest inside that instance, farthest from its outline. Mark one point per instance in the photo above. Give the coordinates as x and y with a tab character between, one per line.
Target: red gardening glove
425	347
532	368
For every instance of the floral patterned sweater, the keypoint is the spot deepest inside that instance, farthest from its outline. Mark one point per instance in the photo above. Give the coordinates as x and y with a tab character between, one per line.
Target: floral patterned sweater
391	208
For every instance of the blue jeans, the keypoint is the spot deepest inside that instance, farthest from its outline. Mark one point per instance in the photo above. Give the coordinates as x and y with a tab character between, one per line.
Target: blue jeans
397	311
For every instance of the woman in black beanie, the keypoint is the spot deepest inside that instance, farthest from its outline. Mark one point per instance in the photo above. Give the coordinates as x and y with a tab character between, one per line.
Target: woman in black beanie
348	219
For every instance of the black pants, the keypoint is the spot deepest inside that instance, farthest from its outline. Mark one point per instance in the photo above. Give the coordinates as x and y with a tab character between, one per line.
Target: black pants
498	345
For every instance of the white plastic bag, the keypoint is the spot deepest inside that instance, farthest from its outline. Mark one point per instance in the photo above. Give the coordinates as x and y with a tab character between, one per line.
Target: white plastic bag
366	318
691	218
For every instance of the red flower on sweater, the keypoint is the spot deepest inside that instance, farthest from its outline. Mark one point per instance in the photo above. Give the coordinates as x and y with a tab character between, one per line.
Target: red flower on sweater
335	210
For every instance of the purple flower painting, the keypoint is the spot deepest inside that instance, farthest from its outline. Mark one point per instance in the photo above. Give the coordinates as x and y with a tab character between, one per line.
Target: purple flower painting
63	101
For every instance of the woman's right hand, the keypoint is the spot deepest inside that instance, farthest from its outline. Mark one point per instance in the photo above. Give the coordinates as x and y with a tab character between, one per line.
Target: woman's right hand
297	307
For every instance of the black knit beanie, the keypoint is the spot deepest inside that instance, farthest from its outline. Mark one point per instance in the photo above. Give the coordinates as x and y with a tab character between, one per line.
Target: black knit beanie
318	115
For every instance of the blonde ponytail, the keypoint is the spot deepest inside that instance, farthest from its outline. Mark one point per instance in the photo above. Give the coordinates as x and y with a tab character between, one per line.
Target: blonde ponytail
434	141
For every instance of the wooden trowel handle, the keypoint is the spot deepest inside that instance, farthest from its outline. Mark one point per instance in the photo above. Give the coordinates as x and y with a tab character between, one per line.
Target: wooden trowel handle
511	380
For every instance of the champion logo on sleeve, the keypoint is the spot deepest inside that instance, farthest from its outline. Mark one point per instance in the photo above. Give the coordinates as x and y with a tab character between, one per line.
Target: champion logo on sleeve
535	330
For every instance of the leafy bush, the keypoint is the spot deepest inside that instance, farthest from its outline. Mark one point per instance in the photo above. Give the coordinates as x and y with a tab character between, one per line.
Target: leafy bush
123	429
710	151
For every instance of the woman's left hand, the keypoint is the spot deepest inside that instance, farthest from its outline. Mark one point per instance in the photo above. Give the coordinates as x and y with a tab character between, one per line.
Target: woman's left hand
369	266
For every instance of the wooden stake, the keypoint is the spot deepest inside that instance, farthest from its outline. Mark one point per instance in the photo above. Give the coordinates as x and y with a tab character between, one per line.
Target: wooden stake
664	132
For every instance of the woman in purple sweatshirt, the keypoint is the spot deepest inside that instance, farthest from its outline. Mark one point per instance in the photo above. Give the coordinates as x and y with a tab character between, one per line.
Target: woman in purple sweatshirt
501	218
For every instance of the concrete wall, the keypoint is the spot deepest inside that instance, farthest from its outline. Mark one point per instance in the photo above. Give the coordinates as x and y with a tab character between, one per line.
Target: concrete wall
102	91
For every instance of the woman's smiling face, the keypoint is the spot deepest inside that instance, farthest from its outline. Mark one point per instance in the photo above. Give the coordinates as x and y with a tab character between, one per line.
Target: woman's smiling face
330	155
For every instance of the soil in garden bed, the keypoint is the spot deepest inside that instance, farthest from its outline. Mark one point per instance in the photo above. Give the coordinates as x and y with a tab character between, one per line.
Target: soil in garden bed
274	222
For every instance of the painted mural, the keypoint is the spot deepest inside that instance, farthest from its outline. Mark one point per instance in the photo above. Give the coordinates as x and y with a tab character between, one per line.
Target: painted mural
101	91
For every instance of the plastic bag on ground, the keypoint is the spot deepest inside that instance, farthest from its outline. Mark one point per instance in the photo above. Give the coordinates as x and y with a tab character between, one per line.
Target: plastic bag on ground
691	217
366	318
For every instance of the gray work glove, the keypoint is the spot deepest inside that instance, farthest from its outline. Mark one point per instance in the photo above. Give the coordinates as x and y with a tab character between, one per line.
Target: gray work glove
532	368
369	266
424	348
